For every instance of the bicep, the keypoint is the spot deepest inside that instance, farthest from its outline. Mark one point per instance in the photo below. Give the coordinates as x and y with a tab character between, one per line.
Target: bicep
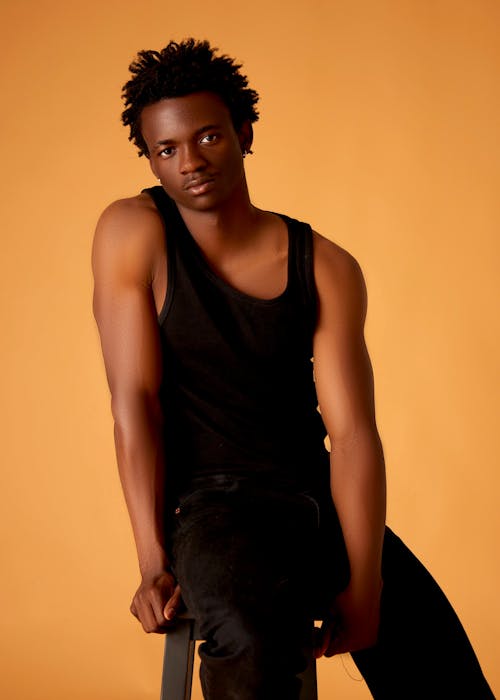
125	312
342	366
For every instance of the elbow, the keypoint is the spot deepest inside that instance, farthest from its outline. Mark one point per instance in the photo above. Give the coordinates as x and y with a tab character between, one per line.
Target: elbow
133	408
356	437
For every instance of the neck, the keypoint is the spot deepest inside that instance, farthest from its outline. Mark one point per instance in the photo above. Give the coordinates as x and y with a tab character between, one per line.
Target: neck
230	225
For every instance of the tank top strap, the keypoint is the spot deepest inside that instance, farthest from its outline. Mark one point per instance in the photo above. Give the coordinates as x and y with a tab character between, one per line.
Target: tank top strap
301	265
172	222
165	205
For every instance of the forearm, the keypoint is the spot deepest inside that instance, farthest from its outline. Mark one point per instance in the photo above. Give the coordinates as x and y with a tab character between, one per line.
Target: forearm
358	486
138	436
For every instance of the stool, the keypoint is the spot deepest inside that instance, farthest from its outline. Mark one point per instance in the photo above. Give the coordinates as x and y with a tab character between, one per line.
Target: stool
179	656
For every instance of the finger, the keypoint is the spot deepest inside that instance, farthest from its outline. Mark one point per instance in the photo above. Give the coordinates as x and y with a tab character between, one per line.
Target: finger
322	640
133	609
147	618
157	606
337	645
173	604
331	651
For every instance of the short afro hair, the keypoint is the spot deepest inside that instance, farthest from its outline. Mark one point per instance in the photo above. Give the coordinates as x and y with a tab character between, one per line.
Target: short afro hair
181	69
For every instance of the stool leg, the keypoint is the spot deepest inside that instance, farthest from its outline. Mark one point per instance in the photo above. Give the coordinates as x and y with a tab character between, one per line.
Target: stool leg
309	690
178	660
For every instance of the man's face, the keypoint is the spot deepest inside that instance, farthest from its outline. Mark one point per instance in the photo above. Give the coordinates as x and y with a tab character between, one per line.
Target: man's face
194	149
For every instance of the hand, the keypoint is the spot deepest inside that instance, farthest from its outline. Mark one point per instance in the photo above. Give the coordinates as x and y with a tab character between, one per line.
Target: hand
156	602
353	622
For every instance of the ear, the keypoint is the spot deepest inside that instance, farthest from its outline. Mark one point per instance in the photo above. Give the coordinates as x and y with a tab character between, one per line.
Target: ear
245	136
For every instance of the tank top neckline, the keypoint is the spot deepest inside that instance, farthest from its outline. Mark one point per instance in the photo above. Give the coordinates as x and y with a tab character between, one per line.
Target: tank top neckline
225	286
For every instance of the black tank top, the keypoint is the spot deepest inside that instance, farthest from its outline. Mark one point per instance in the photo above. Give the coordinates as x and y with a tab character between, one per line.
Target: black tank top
238	392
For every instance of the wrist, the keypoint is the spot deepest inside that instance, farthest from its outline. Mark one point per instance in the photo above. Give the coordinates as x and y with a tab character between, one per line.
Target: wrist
366	583
153	563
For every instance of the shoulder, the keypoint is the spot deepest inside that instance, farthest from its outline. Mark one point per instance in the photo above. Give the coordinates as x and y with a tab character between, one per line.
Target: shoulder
339	278
129	215
128	234
331	259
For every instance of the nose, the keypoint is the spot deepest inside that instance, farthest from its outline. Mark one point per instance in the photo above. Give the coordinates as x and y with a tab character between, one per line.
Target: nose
191	160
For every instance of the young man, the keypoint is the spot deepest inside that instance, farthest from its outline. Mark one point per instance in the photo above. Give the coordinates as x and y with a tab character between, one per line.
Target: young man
223	327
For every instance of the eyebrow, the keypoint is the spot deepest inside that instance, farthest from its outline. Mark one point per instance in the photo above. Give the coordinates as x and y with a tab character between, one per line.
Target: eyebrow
207	127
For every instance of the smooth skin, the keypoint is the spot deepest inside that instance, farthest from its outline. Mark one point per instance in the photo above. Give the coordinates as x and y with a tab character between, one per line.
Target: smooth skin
197	155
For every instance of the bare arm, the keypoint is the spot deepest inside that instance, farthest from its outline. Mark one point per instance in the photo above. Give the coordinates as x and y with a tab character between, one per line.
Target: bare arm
123	304
344	383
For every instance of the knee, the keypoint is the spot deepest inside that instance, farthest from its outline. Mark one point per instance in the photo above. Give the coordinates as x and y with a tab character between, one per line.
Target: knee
230	636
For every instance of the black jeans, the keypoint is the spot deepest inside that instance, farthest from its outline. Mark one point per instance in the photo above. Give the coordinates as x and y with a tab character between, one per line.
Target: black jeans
256	565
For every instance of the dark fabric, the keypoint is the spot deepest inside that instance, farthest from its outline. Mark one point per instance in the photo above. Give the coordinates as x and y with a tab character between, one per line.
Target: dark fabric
244	557
423	650
238	391
256	566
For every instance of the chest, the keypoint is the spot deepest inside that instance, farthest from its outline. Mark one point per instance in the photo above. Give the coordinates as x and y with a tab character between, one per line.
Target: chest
261	274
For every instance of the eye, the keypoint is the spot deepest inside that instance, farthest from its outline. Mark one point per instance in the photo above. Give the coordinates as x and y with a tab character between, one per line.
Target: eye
209	138
167	152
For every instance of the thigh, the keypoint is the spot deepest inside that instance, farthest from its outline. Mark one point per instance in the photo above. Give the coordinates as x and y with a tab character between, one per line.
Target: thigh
242	548
240	561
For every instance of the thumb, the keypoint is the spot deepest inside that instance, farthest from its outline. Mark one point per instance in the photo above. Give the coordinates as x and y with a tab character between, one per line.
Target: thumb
322	640
173	603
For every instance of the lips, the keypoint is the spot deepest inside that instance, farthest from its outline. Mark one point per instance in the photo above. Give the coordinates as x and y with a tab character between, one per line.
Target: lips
199	185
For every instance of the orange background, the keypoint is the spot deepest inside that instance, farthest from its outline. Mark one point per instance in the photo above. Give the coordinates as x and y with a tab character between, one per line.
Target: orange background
380	125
